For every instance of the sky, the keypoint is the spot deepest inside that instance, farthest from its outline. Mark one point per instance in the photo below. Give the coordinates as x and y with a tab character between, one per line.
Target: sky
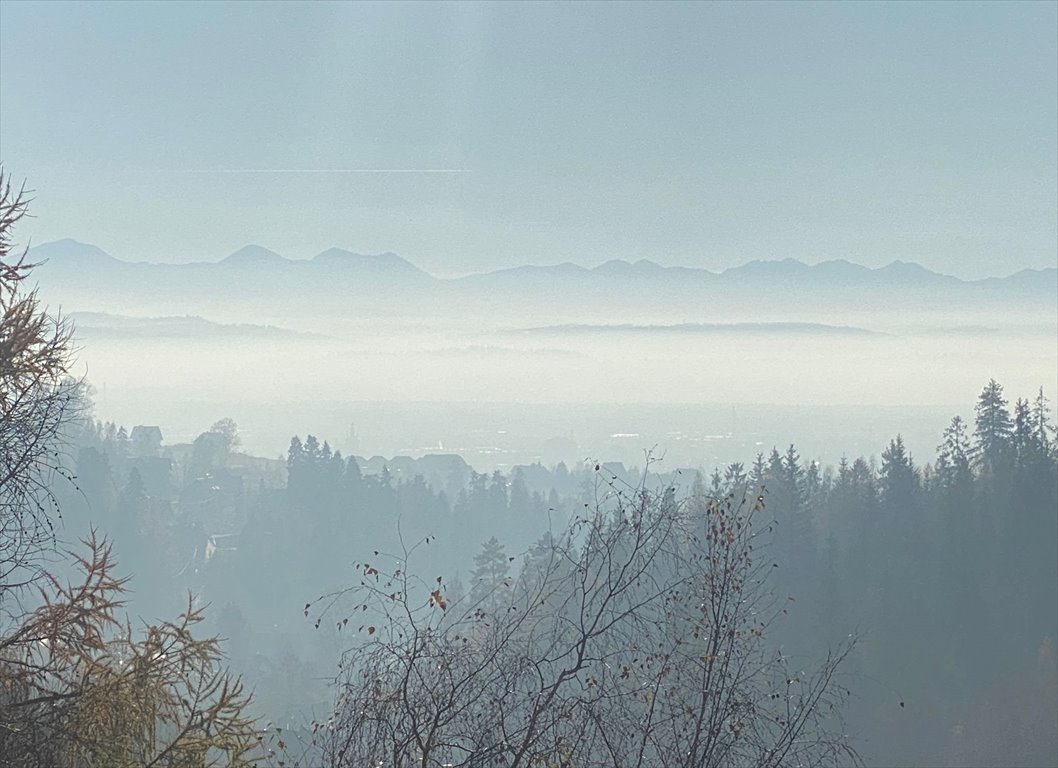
478	136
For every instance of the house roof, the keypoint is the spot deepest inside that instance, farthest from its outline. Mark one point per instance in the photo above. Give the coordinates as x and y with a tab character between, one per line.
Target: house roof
146	432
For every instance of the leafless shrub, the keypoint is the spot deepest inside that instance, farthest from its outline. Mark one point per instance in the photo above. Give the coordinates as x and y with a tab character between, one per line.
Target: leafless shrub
635	638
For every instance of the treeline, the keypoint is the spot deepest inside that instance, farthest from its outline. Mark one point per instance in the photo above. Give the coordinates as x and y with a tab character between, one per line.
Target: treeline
948	567
950	570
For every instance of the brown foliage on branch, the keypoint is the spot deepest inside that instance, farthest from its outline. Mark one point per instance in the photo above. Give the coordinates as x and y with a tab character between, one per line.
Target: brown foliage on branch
37	398
79	687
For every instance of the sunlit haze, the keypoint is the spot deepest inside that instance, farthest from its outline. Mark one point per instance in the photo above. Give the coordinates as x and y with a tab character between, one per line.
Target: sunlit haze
699	134
525	385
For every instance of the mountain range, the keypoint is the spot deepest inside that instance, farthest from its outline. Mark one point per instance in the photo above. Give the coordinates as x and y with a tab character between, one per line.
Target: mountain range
336	281
70	253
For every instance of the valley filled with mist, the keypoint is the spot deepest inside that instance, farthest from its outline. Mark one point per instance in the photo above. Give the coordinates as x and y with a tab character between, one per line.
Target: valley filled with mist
528	385
547	363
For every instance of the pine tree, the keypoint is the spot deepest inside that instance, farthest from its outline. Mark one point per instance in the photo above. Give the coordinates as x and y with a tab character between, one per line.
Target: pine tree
1042	428
953	457
793	473
993	427
774	471
735	474
813	481
497	499
1023	440
312	450
298	480
716	483
900	482
519	502
758	474
491	586
295	453
863	481
844	472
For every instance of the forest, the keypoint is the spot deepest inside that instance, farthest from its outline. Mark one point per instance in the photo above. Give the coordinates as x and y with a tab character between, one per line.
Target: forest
228	609
944	570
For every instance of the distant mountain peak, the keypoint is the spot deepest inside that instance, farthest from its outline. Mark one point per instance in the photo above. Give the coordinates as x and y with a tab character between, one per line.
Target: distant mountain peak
68	250
837	269
905	267
66	242
384	260
252	254
620	266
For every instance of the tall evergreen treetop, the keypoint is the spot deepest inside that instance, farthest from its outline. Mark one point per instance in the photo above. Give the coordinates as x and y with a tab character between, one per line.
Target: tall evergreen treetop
491	585
953	456
900	479
1042	427
993	428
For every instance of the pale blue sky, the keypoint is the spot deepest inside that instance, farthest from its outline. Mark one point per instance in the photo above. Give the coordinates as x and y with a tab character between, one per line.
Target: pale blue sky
698	134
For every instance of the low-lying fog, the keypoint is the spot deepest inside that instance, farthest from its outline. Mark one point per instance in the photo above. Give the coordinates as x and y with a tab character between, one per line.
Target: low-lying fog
519	394
549	362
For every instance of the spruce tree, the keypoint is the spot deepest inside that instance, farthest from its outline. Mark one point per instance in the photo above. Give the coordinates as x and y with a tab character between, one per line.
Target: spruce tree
758	474
1042	428
735	474
491	585
898	475
994	429
953	457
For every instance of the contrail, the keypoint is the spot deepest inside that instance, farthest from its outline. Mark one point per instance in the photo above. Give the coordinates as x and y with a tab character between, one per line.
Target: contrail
321	170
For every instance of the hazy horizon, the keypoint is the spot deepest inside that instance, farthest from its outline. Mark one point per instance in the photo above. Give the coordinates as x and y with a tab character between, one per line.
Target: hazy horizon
481	136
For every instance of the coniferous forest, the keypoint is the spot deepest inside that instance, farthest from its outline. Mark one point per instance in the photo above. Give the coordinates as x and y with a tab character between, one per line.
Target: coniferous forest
942	567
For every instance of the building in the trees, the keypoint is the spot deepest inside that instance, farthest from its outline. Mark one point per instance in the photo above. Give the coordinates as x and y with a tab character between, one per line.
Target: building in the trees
146	440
